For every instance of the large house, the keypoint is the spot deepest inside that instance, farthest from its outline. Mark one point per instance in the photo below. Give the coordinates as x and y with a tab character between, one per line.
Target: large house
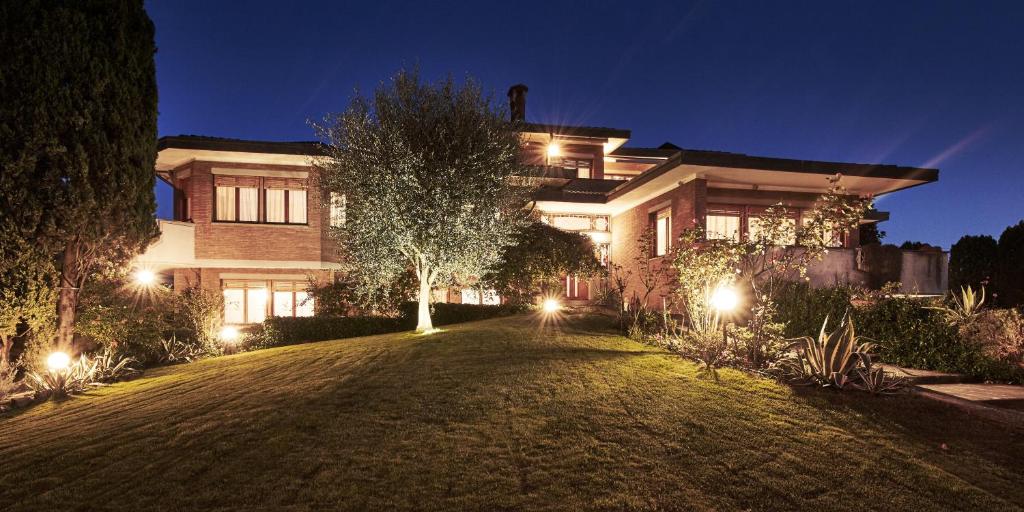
248	218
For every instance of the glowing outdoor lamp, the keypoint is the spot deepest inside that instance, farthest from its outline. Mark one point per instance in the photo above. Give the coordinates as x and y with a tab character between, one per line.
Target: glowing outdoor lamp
551	306
554	149
724	299
145	277
58	361
229	333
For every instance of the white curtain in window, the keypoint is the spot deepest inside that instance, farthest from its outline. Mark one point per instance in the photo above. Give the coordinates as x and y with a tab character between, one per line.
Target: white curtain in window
283	303
297	206
664	232
723	227
225	203
303	304
248	204
275	205
233	306
256	310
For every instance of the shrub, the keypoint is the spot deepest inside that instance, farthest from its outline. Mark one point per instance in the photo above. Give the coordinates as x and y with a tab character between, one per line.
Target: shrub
60	383
803	309
999	333
174	350
446	313
118	316
279	331
196	324
910	334
8	372
1009	279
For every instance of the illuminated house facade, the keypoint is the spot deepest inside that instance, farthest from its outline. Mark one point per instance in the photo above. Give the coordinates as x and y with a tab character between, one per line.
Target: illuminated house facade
248	220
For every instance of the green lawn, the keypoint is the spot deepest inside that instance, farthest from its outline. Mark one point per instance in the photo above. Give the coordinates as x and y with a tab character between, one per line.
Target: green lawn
493	415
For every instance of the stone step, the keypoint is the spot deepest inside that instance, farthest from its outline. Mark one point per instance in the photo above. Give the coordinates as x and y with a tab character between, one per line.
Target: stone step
919	377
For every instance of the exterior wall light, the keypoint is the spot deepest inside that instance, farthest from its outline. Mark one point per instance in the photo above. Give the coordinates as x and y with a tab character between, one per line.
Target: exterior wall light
228	333
551	306
58	361
554	149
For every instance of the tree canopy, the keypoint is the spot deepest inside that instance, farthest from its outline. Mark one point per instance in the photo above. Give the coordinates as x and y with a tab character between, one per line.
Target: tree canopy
427	172
78	134
540	257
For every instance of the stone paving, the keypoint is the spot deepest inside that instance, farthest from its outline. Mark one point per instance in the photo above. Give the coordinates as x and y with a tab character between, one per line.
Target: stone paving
997	395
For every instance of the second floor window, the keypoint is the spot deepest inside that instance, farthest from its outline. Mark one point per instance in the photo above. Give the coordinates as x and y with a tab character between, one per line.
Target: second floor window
581	166
338	205
286	206
237	204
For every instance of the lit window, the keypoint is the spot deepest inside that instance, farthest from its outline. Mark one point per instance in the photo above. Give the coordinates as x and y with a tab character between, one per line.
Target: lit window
581	166
723	227
663	232
832	237
275	205
297	206
245	303
225	203
237	204
292	299
286	206
338	209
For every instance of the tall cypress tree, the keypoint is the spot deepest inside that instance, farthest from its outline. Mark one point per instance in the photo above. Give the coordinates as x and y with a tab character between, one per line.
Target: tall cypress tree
78	135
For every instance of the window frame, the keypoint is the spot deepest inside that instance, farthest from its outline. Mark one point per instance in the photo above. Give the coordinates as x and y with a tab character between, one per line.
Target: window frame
261	202
656	217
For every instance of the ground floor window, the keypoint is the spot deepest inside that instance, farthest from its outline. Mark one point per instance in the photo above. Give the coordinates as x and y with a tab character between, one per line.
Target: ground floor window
662	231
251	302
473	296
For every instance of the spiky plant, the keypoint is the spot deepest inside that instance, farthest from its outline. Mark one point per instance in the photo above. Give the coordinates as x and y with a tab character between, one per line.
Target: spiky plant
63	382
831	359
966	307
874	380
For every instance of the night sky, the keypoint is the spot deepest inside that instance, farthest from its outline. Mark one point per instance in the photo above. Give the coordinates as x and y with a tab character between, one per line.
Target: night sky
923	84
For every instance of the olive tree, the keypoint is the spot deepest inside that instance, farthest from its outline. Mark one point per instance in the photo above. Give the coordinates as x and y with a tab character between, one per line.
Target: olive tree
427	172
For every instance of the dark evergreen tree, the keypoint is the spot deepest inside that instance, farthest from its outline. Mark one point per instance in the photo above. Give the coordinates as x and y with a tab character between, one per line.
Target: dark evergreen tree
972	261
870	234
78	135
1009	280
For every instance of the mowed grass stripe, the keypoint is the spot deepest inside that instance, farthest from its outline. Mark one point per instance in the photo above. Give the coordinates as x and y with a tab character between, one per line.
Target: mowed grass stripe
505	414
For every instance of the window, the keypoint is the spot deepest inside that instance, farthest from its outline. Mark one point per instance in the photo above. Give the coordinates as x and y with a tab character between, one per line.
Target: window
285	206
662	231
245	303
472	296
291	299
338	209
722	225
581	166
225	203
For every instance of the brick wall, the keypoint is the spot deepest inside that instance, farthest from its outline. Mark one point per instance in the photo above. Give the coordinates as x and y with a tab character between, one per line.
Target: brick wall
210	278
217	240
688	203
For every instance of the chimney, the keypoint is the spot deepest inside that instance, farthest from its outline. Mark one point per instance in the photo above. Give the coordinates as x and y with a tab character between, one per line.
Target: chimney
517	102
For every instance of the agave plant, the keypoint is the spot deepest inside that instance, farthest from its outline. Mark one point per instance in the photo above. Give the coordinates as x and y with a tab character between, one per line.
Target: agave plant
111	366
174	350
965	308
874	380
62	382
831	359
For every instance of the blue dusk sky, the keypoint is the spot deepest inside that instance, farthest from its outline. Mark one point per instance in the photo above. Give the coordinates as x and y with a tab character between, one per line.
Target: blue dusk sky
933	84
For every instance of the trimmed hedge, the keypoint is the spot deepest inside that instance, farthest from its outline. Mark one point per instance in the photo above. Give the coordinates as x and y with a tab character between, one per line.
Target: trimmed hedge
280	331
447	314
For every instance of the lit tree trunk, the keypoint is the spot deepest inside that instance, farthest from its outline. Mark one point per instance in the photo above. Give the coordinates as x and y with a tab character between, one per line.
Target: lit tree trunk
71	277
424	324
6	342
